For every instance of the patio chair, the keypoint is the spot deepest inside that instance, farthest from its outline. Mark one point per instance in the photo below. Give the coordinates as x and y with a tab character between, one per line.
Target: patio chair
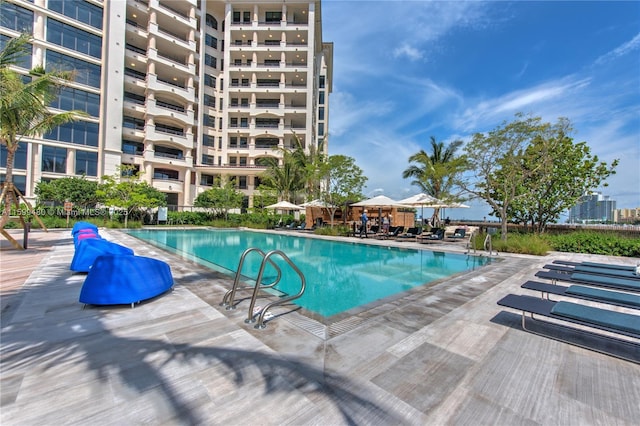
458	234
596	264
411	233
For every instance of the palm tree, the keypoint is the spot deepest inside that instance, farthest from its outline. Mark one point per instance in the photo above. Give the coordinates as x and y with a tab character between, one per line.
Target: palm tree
309	164
436	173
286	178
24	113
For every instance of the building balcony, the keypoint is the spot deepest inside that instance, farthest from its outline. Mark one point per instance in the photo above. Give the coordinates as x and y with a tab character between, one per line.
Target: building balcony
164	109
155	133
168	185
172	13
176	39
161	85
177	63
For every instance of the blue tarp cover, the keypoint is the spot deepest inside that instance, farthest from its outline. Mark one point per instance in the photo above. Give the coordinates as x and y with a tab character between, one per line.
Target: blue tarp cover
88	249
117	279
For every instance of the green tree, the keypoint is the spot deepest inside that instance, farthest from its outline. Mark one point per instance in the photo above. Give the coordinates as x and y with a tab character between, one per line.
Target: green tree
502	167
221	199
309	164
125	191
344	182
78	190
437	173
286	179
559	173
24	111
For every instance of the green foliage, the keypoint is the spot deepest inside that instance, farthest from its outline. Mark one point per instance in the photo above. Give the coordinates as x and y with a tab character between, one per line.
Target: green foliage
515	243
596	243
221	199
333	231
344	182
80	191
127	192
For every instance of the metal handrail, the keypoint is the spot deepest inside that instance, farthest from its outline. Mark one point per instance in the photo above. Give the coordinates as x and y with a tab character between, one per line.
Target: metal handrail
229	297
487	242
471	244
251	316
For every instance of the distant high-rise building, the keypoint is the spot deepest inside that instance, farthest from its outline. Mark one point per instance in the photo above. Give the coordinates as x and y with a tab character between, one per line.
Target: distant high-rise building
186	91
593	207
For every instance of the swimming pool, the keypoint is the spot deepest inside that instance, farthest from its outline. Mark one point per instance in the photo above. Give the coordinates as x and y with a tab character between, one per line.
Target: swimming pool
340	275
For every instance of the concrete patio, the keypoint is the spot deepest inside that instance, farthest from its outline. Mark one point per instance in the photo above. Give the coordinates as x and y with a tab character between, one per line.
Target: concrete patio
443	354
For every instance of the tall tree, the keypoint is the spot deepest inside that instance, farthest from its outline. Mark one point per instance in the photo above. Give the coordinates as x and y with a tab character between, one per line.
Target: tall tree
561	171
286	179
24	112
78	190
496	160
344	181
437	173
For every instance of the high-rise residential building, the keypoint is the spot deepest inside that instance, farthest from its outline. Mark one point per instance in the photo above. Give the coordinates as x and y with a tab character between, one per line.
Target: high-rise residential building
593	207
187	91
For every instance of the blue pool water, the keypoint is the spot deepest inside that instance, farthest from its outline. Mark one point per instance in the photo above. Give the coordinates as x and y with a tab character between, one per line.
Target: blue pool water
340	275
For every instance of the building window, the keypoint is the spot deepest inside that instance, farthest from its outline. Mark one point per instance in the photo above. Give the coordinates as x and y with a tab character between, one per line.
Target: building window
132	147
86	163
166	152
273	16
321	113
210	81
211	22
78	132
133	123
209	121
74	38
322	81
207	180
19	159
208	160
211	41
210	61
321	97
246	17
16	18
320	129
19	182
24	60
71	98
166	174
79	10
210	101
54	159
208	140
85	73
242	182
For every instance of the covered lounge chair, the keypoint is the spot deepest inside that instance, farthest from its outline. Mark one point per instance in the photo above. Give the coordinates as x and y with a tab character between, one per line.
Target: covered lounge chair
121	280
458	234
596	270
596	264
89	249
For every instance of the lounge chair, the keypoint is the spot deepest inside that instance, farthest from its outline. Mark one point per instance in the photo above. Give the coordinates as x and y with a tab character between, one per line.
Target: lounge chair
458	234
411	233
89	249
617	298
587	269
437	234
596	264
619	323
616	283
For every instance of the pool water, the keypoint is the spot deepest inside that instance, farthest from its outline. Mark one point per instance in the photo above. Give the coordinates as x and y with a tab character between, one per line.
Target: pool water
339	275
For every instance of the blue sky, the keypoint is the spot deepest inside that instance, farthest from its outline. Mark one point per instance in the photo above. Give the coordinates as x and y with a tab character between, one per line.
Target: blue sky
408	70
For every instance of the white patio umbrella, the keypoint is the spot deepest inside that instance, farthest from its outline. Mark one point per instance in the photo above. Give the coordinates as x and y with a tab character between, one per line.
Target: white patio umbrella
421	200
379	202
284	205
444	205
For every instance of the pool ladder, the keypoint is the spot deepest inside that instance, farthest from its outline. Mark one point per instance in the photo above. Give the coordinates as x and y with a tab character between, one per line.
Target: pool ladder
229	298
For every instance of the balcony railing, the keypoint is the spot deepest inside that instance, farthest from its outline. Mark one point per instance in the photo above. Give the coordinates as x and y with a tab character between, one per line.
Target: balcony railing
170	106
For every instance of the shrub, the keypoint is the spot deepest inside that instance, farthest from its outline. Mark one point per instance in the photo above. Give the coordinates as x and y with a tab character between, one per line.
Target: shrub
516	243
596	243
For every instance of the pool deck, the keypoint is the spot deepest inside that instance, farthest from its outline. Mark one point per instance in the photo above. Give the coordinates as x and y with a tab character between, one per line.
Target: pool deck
444	354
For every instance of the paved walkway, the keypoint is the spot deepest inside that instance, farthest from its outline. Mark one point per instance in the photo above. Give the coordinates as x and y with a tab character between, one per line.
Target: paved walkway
446	354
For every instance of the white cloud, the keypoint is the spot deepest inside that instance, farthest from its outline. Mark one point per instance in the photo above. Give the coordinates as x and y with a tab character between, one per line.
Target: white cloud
410	52
621	50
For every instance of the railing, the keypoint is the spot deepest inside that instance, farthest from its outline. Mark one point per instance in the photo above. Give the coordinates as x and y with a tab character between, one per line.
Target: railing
229	298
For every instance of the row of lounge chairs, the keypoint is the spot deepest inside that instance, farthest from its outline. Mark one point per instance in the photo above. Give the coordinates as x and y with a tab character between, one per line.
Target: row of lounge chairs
616	311
115	275
416	234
